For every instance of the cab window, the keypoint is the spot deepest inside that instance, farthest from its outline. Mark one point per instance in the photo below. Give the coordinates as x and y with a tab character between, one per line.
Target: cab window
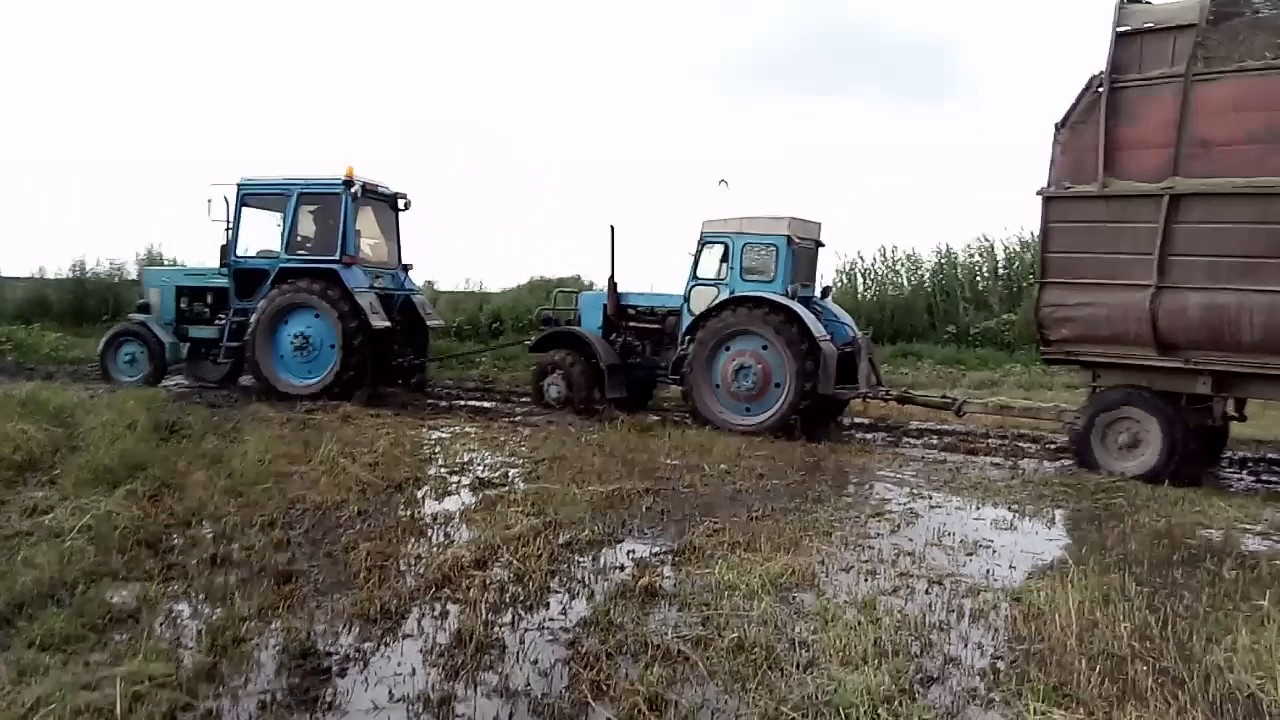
759	262
713	262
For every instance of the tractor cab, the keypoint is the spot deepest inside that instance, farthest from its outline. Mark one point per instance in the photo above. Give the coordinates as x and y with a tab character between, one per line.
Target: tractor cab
285	225
770	255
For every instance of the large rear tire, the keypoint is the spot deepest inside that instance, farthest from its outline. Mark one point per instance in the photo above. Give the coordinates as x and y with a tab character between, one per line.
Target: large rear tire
1133	432
749	370
132	356
308	339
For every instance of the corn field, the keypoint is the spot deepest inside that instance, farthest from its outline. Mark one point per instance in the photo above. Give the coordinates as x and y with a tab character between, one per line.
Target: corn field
979	295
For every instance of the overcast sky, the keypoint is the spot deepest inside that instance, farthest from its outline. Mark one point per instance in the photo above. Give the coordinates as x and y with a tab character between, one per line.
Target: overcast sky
521	130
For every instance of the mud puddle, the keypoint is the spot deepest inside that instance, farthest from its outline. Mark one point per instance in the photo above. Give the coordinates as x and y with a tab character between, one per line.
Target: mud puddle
946	563
329	667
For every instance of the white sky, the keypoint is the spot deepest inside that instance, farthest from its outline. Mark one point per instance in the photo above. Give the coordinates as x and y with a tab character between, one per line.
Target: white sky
521	130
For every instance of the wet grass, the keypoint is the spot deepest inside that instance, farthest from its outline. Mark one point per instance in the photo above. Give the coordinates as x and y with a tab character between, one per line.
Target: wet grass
40	345
630	569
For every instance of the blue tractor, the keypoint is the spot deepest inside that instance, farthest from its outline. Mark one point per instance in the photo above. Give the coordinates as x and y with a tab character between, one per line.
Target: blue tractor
751	343
310	293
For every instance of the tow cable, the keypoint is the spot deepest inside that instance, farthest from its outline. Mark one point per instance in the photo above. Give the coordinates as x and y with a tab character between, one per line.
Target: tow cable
479	351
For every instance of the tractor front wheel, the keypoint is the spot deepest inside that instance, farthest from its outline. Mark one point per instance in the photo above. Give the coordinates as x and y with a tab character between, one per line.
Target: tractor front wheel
307	340
749	371
132	355
563	380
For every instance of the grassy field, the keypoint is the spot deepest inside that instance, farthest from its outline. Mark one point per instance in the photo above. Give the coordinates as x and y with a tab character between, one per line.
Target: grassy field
161	556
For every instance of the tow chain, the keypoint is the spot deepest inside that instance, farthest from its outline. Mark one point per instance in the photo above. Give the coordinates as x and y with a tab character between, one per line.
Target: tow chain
480	351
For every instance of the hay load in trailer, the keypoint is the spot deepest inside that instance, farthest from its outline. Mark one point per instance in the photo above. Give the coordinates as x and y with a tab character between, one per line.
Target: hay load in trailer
1160	236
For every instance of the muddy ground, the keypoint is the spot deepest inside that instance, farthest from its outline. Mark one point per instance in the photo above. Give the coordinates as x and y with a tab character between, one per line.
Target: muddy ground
197	552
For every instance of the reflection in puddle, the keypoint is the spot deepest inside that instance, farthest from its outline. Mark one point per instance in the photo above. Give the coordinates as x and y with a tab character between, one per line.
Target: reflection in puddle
403	677
338	673
945	561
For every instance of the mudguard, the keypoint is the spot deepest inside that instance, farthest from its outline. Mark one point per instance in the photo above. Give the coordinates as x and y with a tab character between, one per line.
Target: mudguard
172	348
593	347
827	364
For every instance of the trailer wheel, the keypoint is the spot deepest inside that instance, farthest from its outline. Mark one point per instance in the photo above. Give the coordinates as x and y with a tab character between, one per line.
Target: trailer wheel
307	340
132	355
562	380
748	370
1133	432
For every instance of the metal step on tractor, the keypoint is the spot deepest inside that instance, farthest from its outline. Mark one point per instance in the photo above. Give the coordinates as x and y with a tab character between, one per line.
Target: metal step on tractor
752	344
310	294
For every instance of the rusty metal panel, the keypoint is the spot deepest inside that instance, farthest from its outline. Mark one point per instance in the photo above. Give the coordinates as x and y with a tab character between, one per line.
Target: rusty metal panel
1233	127
1142	131
1153	51
1172	255
1207	287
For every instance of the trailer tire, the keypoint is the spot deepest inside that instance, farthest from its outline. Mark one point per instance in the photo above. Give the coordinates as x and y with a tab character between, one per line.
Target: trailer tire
562	379
1133	432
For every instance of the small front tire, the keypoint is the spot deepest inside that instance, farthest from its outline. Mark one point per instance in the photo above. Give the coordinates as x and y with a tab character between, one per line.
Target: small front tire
562	380
132	356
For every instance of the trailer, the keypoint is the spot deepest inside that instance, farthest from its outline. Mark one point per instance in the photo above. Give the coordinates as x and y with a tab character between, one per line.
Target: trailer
1159	266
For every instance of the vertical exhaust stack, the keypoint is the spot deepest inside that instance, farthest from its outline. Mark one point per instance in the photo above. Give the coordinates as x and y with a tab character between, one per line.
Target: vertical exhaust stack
613	304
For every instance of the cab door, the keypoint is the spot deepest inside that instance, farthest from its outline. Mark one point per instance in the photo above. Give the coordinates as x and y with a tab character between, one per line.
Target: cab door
709	277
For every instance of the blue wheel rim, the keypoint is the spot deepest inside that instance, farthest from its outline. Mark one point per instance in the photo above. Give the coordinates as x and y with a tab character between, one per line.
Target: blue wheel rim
129	361
304	345
748	377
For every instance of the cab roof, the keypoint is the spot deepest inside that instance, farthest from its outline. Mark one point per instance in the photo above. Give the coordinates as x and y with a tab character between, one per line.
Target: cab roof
793	227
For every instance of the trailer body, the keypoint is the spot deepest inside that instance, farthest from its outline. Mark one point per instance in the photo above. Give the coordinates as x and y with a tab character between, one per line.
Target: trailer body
1160	225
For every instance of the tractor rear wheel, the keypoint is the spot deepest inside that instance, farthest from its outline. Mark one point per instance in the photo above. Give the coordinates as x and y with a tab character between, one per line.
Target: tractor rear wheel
749	370
562	380
200	366
132	355
308	339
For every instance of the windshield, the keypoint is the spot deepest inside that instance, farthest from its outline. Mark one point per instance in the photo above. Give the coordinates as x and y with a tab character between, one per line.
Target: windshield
377	232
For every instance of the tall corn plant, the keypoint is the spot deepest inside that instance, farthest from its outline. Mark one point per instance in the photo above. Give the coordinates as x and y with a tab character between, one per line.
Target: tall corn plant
980	294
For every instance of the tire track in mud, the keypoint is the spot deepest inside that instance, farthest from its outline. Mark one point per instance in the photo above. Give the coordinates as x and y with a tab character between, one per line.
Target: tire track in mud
1242	470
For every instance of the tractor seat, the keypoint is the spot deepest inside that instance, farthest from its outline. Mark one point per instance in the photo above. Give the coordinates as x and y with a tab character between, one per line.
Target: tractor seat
267	254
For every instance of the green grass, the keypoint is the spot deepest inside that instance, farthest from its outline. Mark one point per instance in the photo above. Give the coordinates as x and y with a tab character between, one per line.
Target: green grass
40	345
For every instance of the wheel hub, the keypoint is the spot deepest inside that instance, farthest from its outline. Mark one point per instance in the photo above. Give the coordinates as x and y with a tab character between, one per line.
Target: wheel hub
745	374
555	390
305	345
1127	441
748	378
131	359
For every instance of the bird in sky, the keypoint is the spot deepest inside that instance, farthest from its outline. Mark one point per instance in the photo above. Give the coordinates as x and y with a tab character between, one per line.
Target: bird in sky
724	182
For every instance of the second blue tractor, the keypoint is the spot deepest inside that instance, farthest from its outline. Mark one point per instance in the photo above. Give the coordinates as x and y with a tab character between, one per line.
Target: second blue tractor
752	344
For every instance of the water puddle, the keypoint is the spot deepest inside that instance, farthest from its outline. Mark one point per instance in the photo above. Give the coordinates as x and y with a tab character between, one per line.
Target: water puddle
455	655
947	563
